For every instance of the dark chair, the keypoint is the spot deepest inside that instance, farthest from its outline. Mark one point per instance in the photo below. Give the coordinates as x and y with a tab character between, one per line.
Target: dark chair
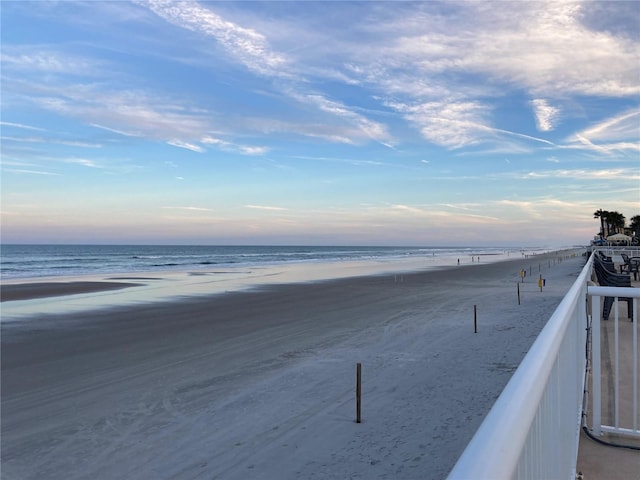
630	265
608	277
603	256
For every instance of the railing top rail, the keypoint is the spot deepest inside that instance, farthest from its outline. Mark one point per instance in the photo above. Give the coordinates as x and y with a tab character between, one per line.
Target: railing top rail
495	449
632	292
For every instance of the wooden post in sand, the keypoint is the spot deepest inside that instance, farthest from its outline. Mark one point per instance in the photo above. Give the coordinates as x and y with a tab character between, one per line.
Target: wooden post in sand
358	392
475	319
518	292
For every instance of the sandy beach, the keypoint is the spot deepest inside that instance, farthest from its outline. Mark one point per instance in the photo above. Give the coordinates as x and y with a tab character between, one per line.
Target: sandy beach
260	384
28	291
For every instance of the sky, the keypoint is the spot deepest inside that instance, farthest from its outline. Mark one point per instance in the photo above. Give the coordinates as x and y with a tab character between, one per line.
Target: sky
318	123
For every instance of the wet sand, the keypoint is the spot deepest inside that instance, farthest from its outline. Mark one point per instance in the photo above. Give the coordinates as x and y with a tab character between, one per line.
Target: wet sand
29	291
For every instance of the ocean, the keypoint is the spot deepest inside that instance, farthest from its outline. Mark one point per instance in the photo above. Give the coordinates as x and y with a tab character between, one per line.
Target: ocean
33	261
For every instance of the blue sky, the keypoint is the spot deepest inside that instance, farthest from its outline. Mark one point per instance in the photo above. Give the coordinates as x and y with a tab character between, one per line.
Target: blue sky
379	123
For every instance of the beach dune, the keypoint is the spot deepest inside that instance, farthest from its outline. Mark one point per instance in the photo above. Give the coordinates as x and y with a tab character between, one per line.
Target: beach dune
260	384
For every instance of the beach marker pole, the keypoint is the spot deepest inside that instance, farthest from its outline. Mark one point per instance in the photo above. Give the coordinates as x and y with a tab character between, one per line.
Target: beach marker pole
475	319
358	392
518	285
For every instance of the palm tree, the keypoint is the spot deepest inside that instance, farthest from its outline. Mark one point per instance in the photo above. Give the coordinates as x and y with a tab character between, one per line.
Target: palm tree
602	215
616	221
635	225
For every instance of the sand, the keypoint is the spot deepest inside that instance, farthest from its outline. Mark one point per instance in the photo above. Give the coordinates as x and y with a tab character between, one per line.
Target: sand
28	291
261	384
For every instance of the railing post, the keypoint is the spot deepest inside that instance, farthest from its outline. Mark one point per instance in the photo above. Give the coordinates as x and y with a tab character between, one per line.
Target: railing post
636	304
596	311
616	387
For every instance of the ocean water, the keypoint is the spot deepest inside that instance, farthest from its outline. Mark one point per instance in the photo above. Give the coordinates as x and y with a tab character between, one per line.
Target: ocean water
33	261
165	273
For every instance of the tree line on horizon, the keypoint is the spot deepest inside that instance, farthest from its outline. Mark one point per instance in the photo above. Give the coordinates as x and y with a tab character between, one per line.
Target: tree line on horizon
614	222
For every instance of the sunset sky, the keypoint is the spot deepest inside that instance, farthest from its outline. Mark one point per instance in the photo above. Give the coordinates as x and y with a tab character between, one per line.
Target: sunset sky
368	123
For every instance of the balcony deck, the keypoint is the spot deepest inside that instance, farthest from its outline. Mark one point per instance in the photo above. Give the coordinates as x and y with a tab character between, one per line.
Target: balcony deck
595	460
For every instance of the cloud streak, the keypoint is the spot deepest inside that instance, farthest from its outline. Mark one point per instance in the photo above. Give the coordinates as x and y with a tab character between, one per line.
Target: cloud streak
266	208
245	44
545	114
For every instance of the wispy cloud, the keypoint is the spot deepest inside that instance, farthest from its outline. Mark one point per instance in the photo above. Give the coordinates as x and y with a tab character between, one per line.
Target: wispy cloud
114	130
234	147
451	124
83	161
616	134
245	44
629	174
540	47
625	126
30	172
545	114
186	145
53	140
190	209
374	130
19	125
458	207
46	60
251	48
266	207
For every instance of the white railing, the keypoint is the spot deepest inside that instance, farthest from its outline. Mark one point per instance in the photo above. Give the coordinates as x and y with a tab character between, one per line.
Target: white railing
619	427
533	429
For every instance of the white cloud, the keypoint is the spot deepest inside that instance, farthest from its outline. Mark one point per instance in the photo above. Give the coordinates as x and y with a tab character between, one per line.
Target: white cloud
185	145
234	147
616	134
251	48
19	125
114	130
451	124
546	115
31	172
189	209
625	126
419	58
585	174
52	140
247	150
248	46
82	161
371	129
45	60
545	47
266	207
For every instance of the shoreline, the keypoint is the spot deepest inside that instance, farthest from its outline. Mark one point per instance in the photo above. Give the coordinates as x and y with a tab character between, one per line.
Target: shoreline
37	295
259	383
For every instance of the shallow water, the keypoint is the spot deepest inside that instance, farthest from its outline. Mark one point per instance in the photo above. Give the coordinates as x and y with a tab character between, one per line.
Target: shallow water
172	284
